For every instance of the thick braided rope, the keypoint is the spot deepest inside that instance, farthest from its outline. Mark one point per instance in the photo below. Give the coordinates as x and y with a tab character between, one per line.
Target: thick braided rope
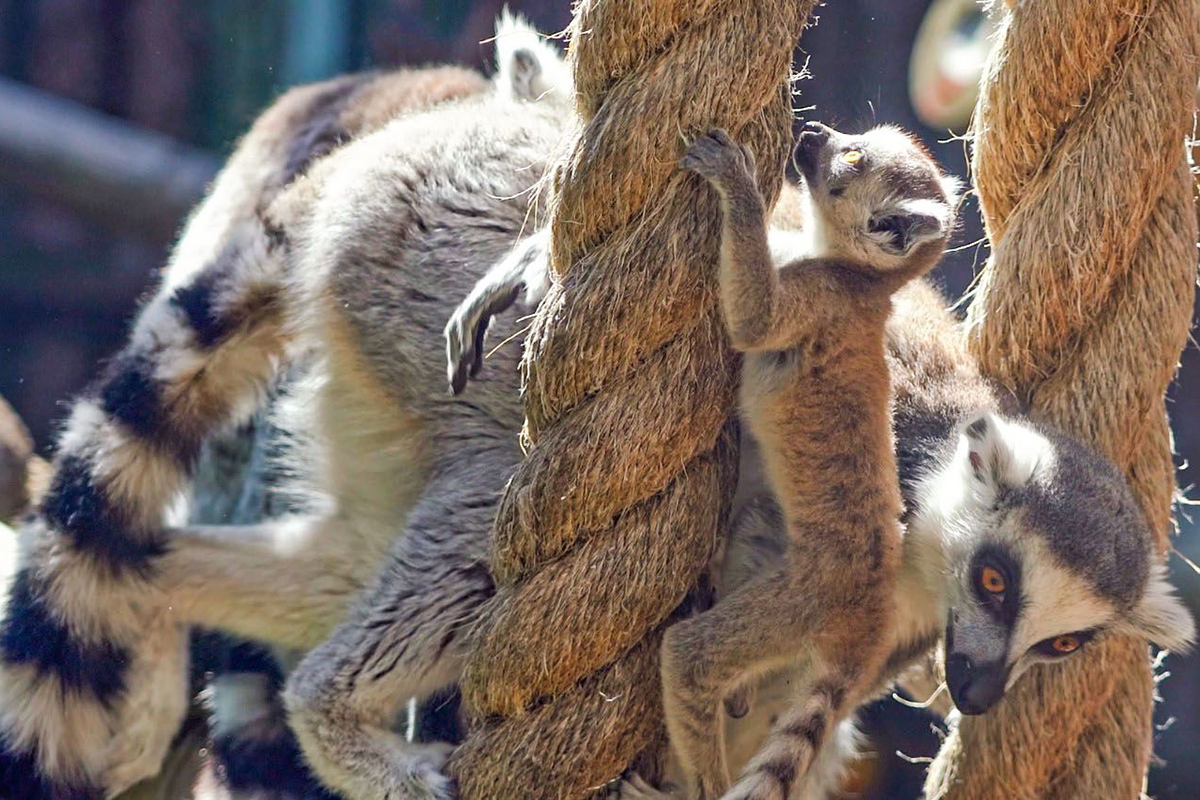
629	387
1083	310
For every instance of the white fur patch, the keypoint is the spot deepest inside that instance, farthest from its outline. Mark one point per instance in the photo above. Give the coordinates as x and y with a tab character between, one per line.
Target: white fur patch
550	77
1161	617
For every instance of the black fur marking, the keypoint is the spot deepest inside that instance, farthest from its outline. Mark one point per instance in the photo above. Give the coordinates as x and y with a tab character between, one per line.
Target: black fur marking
31	634
783	771
322	130
196	302
130	394
811	729
978	428
267	760
20	779
81	509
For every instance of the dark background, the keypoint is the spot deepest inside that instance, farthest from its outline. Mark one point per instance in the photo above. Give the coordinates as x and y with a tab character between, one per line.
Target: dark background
198	71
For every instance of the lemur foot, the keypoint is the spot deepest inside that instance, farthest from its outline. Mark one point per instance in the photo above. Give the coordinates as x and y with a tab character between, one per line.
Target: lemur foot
718	159
635	787
524	269
465	332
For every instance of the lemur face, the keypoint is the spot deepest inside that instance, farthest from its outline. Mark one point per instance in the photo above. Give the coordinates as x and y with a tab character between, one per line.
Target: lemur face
1037	547
874	196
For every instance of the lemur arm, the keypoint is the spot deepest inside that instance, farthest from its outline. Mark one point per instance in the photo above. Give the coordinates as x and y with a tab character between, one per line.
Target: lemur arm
765	308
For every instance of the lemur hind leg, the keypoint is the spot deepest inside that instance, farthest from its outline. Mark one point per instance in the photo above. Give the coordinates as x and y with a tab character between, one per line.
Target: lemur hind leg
706	655
403	638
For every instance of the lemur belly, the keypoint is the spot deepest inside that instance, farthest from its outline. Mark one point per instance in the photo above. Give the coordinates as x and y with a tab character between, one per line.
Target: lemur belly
820	413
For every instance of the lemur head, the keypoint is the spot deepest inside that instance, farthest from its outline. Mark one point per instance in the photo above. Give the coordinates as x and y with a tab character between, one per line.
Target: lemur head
1035	546
528	67
874	197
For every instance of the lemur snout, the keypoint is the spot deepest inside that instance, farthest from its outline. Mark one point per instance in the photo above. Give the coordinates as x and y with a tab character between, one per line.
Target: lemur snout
974	687
812	139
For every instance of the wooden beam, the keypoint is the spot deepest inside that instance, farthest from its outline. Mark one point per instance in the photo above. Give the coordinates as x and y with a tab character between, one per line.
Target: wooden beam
124	177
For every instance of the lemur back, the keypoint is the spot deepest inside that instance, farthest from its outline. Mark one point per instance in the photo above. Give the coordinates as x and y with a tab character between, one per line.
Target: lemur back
92	646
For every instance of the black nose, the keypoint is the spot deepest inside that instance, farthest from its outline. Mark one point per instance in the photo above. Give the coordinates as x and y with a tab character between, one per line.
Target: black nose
974	688
812	138
814	134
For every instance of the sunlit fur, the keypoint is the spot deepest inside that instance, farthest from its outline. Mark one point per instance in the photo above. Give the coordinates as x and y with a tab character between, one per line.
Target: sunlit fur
93	658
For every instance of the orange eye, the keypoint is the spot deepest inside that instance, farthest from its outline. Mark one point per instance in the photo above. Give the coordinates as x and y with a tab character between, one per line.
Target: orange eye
1065	644
852	156
991	580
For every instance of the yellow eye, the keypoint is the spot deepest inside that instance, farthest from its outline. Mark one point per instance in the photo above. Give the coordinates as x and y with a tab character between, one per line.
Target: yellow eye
852	156
1065	644
992	581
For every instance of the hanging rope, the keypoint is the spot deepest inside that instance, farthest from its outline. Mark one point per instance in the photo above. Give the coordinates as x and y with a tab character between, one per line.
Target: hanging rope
629	387
1083	310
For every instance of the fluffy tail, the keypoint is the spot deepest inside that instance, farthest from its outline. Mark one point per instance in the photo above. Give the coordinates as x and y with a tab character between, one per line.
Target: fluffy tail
795	741
91	668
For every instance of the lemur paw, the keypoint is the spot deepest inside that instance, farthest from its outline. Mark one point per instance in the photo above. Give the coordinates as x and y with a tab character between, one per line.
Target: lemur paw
465	333
717	158
635	787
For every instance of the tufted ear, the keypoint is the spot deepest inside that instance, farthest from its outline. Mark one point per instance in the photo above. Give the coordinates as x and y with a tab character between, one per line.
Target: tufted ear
1002	454
901	228
953	187
1160	616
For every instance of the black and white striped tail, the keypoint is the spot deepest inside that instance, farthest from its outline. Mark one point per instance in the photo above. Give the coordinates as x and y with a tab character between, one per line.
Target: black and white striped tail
76	627
795	740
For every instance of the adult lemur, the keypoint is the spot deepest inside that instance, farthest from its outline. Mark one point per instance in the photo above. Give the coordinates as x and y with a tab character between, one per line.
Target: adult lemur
358	263
1021	544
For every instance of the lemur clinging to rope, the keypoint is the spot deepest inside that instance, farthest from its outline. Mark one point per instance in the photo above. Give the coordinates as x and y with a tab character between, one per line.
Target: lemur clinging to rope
1021	544
363	261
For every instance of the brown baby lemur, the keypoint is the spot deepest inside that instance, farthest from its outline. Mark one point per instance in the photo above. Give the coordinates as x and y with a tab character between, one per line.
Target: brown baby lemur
815	394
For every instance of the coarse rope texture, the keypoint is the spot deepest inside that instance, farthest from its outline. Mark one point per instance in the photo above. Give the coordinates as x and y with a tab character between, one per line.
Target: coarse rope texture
1083	310
629	386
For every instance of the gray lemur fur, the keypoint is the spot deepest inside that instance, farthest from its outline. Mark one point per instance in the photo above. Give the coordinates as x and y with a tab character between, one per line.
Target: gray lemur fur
352	262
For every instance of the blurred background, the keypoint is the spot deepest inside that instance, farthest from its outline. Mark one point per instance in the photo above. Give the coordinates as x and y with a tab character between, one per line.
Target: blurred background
114	114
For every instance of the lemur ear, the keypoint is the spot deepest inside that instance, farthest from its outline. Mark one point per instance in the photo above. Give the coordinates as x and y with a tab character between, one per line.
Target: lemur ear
525	70
902	229
1002	454
953	187
1161	617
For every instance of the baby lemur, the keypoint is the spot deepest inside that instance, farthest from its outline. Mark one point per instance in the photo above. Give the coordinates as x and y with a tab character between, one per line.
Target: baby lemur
347	232
1020	544
814	394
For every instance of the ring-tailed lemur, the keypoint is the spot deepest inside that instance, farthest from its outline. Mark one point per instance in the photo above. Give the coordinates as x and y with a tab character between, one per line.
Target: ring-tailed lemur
814	394
362	259
381	238
1021	544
